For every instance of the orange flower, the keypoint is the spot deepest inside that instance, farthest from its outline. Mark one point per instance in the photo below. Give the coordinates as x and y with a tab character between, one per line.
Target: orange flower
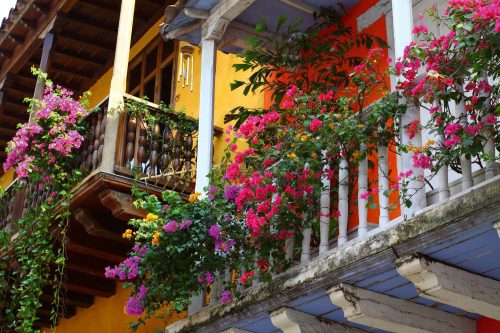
195	196
151	217
156	239
127	234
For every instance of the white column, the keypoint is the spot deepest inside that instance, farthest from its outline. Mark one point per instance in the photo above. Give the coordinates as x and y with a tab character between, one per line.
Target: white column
325	210
362	188
489	147
443	185
343	200
402	14
118	84
305	255
206	117
383	185
465	163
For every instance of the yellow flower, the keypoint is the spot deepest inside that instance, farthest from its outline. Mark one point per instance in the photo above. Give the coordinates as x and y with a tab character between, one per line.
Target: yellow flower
292	155
304	137
156	239
429	143
195	196
356	154
361	125
330	125
314	155
151	217
127	234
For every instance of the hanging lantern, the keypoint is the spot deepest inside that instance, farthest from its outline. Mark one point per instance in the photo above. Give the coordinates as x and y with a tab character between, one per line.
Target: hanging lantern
186	66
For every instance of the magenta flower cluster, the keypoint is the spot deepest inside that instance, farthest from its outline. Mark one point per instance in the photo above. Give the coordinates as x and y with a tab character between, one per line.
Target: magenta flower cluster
50	134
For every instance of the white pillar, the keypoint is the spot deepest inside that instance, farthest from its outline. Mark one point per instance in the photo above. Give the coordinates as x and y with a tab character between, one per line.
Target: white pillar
206	117
465	163
383	185
118	84
343	200
443	185
402	14
325	210
362	188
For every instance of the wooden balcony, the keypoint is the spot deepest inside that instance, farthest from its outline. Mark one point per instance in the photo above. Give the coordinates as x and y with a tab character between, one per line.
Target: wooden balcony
153	157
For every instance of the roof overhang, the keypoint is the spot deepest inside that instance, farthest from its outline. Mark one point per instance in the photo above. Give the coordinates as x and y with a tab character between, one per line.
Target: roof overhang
190	20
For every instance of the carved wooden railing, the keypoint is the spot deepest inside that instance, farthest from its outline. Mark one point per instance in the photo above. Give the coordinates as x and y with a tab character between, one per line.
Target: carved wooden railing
90	156
161	152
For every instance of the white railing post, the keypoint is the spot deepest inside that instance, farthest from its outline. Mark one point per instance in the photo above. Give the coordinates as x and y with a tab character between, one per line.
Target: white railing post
118	84
343	199
383	185
402	14
289	244
206	117
465	163
362	188
489	147
443	185
325	210
305	254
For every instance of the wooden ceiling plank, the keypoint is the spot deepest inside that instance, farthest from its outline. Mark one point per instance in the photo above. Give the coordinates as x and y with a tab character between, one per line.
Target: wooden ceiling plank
79	57
92	24
84	40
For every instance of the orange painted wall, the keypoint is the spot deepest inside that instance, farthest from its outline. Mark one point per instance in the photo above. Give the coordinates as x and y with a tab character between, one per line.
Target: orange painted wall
487	325
378	28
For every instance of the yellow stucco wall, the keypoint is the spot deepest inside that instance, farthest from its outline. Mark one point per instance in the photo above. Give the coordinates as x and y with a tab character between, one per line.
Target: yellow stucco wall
7	178
106	316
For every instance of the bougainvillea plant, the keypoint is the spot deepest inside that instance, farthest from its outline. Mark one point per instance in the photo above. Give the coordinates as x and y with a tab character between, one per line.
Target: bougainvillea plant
460	67
42	154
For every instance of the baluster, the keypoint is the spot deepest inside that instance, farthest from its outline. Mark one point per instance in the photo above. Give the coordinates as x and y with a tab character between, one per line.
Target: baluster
489	147
96	141
443	185
188	152
101	139
153	157
465	163
129	148
305	255
325	209
362	188
165	148
141	146
176	164
289	244
343	199
383	185
90	149
214	291
83	153
197	303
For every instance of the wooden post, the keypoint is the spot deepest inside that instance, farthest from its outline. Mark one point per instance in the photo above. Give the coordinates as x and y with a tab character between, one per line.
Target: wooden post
206	117
118	85
48	42
402	13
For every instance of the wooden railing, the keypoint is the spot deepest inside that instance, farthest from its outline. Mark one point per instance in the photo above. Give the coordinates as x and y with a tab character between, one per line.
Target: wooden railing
162	152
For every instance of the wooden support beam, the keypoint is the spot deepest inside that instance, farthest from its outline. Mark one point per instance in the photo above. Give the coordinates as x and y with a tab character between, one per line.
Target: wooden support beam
71	72
16	39
449	285
93	227
90	251
91	23
69	298
48	42
392	314
293	321
301	5
6	54
30	24
121	205
88	284
85	41
79	57
184	30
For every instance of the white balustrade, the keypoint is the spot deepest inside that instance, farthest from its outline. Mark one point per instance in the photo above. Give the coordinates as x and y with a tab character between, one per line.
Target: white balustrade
325	211
305	255
383	185
362	188
465	163
343	199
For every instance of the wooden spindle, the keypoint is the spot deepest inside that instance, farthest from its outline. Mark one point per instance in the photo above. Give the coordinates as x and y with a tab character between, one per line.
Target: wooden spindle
383	185
96	141
90	148
155	146
129	148
101	139
165	148
188	151
343	199
362	188
176	163
141	147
